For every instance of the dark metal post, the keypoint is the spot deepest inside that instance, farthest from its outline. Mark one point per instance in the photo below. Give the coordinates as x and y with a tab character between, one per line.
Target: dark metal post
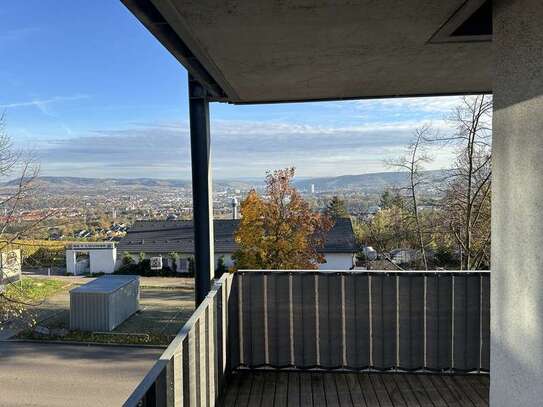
202	197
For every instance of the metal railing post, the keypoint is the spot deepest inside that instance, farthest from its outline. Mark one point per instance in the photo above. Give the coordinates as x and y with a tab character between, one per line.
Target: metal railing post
202	199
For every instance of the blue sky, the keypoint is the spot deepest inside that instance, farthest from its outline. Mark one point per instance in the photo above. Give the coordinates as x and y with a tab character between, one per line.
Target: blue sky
91	93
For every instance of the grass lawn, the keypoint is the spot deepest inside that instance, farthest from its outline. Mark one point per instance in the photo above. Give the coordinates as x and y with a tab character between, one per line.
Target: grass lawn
21	301
31	290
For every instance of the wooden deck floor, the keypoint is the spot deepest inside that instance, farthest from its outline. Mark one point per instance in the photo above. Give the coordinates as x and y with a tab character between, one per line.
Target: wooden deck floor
266	388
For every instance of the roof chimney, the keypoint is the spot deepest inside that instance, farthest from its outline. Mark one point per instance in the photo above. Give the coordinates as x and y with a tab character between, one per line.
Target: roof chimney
234	208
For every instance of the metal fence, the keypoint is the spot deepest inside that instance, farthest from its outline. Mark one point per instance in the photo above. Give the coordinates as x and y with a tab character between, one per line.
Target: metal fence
435	321
192	370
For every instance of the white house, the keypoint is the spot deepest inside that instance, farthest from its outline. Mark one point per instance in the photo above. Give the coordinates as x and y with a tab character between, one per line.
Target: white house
164	237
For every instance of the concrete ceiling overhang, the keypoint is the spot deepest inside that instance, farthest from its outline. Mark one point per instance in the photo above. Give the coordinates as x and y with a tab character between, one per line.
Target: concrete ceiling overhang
258	51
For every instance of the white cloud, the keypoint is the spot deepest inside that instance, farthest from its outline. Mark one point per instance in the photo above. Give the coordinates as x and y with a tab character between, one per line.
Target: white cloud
45	106
42	104
239	149
430	104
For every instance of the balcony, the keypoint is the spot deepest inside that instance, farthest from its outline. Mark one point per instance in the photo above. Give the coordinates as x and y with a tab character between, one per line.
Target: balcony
243	53
257	388
330	338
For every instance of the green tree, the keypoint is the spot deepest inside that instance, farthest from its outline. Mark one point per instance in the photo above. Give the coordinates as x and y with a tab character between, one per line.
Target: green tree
336	209
127	259
221	267
175	260
390	199
387	230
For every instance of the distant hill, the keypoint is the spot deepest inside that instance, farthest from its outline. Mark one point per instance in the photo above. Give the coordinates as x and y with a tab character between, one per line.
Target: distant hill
369	182
80	182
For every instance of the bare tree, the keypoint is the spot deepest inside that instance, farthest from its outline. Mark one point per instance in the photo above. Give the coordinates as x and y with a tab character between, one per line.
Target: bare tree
413	162
16	164
467	188
22	169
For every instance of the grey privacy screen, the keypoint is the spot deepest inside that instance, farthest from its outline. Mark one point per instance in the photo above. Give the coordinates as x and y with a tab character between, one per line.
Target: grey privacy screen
359	320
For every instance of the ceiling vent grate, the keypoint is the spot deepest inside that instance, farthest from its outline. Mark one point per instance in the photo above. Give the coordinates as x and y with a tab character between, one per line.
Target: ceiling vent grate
472	22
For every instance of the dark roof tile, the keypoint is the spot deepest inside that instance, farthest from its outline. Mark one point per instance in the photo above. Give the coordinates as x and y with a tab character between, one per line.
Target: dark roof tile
168	236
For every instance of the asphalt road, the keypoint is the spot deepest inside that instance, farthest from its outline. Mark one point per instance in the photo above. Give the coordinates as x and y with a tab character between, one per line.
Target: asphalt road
40	374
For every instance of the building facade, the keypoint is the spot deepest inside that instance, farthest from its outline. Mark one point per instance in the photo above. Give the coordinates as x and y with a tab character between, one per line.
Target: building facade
165	237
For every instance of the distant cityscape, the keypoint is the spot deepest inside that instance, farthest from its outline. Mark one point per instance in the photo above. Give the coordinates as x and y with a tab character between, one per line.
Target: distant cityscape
103	209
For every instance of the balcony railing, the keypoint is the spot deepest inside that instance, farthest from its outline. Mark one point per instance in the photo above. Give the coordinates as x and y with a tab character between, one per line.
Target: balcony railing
325	320
191	371
434	321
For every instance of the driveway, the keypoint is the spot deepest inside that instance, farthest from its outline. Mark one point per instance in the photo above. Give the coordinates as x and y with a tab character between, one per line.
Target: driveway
44	374
165	305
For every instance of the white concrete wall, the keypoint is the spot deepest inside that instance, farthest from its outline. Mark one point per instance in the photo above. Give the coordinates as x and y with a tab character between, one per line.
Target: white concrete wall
517	206
70	262
102	261
337	261
334	261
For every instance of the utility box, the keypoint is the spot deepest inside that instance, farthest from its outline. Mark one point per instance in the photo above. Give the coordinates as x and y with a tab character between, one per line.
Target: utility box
103	304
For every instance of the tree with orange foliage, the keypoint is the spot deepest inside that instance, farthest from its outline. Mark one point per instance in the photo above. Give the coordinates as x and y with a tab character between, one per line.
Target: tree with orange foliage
279	231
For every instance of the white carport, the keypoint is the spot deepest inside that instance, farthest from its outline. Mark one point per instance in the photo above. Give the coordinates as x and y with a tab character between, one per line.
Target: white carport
100	257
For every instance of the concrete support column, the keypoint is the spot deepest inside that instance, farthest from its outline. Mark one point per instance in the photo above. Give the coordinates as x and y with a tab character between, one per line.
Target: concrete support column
70	262
202	196
517	206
